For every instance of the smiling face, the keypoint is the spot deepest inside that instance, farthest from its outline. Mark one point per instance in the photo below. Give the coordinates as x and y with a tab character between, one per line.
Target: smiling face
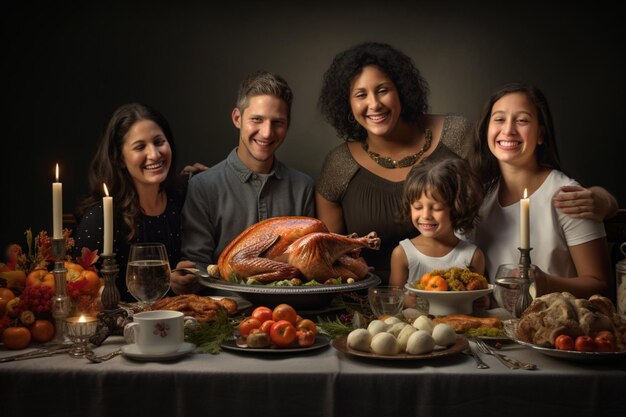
146	153
514	131
375	101
262	129
431	217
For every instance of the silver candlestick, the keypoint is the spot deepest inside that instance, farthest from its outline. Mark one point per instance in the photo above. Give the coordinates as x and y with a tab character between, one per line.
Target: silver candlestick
112	318
524	299
60	301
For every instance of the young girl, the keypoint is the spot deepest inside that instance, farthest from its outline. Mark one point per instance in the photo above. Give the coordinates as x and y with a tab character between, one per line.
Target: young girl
515	148
440	197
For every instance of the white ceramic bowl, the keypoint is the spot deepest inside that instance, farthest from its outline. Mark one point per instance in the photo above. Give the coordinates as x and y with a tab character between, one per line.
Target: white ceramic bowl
442	303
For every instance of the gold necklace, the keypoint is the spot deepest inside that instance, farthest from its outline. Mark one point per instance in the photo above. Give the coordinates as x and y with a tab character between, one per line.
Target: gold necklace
387	162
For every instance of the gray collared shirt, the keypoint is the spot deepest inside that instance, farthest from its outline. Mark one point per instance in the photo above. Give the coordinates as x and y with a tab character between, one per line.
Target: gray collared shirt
227	198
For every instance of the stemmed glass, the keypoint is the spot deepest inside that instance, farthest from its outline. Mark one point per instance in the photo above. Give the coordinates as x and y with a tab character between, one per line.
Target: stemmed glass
509	285
386	301
148	272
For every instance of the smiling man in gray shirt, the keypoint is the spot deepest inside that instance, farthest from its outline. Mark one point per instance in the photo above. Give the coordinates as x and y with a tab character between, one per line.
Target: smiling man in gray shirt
250	185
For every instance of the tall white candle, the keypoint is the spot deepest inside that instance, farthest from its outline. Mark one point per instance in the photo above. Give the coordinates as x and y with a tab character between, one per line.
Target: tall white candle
57	207
107	207
524	221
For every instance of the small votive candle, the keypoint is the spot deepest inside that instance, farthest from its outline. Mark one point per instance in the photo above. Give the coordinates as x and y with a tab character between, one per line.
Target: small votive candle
79	330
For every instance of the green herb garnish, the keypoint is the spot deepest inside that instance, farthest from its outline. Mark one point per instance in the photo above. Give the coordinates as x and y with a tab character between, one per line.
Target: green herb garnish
209	336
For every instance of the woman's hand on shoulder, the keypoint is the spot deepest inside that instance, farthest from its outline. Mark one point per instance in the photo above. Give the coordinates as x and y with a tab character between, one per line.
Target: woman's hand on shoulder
194	169
593	203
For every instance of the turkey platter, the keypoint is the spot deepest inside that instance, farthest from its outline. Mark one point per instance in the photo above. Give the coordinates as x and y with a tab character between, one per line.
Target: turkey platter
289	247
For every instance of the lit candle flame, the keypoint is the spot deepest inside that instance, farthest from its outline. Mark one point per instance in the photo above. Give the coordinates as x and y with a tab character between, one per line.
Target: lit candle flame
57	173
525	193
82	319
106	190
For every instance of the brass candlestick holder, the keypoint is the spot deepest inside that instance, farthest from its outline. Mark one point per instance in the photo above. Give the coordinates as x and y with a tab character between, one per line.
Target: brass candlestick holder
525	266
112	318
60	302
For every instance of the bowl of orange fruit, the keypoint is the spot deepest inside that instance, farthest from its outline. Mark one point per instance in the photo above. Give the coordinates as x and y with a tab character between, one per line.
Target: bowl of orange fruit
450	291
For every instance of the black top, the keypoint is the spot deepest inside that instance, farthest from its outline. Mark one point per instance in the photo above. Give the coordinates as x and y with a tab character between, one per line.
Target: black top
164	228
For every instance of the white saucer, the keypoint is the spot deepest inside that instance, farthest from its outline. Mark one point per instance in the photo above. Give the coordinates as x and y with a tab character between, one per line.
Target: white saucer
133	352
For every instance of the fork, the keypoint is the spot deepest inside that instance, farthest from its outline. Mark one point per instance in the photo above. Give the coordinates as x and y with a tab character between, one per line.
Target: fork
485	349
512	361
479	362
102	358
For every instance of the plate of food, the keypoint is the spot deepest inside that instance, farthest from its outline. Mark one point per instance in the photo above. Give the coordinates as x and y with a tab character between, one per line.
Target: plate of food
239	344
301	297
202	308
510	329
443	303
486	328
341	344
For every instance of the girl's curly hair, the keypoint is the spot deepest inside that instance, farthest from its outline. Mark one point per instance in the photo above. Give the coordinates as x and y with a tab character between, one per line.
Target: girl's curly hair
334	102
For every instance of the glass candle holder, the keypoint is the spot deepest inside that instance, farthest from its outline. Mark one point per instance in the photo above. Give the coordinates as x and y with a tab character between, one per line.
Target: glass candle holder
79	330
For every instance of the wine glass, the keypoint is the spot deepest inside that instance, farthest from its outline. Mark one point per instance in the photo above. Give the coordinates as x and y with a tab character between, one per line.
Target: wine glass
148	272
386	301
509	285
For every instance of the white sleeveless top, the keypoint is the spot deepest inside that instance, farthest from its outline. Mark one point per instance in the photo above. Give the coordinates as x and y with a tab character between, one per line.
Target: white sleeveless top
419	264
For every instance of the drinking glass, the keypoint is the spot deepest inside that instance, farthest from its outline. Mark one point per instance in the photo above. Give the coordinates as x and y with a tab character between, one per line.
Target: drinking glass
509	285
386	301
148	272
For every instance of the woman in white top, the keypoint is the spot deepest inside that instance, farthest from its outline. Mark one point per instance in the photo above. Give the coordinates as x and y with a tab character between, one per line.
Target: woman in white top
515	149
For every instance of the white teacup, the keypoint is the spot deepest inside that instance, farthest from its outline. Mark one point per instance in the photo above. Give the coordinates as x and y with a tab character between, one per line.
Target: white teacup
158	332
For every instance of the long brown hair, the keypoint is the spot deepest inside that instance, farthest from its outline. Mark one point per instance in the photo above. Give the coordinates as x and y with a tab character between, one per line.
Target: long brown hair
107	167
484	163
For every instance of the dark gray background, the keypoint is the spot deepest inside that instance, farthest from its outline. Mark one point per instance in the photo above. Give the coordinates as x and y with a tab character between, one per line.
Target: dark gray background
68	66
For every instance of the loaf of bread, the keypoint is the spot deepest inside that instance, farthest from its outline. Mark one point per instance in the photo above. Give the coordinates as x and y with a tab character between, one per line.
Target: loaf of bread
554	314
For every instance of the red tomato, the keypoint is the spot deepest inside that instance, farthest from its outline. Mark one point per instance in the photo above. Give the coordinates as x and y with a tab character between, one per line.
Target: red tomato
262	313
307	324
564	342
585	344
305	337
284	312
283	333
16	337
247	325
605	334
605	341
267	326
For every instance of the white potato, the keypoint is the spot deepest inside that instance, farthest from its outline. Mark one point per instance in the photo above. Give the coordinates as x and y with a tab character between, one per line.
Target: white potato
419	343
444	334
395	329
384	344
392	320
359	339
404	335
377	326
424	323
410	314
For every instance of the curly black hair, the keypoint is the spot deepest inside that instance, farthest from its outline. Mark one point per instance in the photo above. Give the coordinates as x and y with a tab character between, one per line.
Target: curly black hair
334	100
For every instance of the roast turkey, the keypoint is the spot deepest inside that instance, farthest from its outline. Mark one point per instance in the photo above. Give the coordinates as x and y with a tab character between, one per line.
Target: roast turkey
293	247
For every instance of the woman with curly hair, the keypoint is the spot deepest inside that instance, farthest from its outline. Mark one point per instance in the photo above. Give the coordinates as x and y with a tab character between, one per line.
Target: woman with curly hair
376	99
135	159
